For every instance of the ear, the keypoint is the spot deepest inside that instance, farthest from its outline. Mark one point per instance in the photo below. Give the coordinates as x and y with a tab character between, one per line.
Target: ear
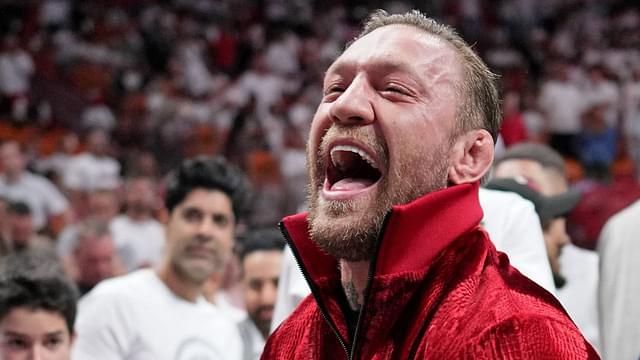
471	156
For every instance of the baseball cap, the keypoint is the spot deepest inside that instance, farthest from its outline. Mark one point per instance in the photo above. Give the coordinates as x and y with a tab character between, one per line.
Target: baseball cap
547	207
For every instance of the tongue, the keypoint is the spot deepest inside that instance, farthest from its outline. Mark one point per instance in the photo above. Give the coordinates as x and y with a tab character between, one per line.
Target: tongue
351	184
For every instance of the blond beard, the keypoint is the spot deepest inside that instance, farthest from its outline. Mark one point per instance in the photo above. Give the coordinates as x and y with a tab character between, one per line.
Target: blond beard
354	239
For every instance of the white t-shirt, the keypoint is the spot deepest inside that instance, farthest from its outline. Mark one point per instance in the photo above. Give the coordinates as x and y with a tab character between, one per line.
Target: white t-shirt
619	290
510	220
579	295
604	93
15	70
137	243
87	172
563	104
514	228
136	317
43	198
252	339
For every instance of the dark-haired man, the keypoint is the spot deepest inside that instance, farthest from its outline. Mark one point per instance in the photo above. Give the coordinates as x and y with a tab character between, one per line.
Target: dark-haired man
160	313
260	261
397	263
20	234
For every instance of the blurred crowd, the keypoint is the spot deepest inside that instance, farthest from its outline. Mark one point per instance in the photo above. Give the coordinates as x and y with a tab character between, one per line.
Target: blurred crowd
99	99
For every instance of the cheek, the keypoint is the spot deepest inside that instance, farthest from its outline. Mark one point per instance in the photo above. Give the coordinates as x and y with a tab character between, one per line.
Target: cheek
250	298
319	125
226	238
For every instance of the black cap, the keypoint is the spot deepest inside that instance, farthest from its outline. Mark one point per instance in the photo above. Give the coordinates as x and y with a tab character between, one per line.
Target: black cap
547	207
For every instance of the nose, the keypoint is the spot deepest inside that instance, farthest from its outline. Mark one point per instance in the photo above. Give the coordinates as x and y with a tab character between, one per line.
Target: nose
268	293
354	106
207	228
36	353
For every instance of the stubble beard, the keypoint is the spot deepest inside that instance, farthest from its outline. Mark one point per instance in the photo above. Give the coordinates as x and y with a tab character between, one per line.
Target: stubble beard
193	273
348	229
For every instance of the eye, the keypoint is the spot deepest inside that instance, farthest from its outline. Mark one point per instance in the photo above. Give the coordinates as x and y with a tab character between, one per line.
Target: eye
255	285
333	89
16	343
192	215
221	220
53	342
396	89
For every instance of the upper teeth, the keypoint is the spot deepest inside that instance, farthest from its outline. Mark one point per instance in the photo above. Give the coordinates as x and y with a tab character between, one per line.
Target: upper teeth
354	149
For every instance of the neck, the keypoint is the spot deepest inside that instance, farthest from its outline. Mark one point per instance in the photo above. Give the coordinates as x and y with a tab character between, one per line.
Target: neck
354	281
138	215
181	287
12	177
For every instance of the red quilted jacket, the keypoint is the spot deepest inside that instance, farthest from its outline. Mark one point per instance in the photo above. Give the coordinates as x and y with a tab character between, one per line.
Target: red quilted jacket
438	290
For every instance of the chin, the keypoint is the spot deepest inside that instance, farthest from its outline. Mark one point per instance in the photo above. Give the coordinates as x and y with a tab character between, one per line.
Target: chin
346	229
194	272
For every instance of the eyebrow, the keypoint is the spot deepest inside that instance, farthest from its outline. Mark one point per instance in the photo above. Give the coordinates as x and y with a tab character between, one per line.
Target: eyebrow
17	334
383	65
14	334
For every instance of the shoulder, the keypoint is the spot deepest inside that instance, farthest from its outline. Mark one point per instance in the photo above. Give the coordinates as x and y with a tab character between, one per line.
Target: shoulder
121	287
35	180
625	217
531	336
119	222
617	233
296	331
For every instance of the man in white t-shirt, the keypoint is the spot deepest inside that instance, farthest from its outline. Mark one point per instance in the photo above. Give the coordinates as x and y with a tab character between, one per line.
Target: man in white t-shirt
160	313
48	206
619	290
562	103
95	168
138	237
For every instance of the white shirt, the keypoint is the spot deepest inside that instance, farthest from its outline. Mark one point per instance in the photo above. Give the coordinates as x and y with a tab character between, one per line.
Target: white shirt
579	295
514	228
138	243
510	220
619	292
563	104
88	172
16	69
252	339
137	317
604	93
43	198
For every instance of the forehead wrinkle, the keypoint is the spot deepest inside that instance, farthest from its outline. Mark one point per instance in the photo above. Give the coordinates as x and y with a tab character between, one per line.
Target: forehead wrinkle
434	55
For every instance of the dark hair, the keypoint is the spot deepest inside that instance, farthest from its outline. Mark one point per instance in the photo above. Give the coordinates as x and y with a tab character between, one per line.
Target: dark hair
35	281
32	262
266	239
18	208
479	101
211	173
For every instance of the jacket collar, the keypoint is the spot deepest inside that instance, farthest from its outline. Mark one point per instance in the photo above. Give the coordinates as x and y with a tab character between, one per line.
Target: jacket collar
415	233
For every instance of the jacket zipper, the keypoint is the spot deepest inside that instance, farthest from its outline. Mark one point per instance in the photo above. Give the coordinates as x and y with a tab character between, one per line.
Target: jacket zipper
316	294
314	290
367	290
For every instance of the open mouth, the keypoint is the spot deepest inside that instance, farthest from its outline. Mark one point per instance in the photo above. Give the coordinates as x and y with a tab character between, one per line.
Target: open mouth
351	169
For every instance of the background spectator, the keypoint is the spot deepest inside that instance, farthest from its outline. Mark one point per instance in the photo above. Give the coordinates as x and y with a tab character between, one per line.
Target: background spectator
37	309
94	256
48	206
261	257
